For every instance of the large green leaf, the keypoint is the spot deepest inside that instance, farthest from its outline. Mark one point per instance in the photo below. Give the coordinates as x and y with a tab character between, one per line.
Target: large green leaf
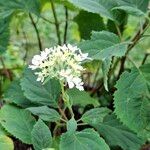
81	98
6	143
134	7
103	46
9	7
101	7
15	95
41	136
45	113
84	140
116	134
35	91
132	99
4	34
95	116
86	27
18	122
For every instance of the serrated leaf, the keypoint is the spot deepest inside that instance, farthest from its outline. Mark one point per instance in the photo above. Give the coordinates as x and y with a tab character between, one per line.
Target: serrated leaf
81	98
136	8
117	134
6	143
6	9
45	113
4	34
18	122
71	125
103	46
35	91
84	140
14	94
132	99
41	136
101	7
95	116
86	27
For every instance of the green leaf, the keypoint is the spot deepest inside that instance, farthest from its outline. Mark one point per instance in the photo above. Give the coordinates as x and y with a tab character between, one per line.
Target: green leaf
41	136
18	122
84	140
101	7
133	7
95	116
81	98
15	95
6	143
71	125
86	27
103	46
45	113
2	131
4	34
28	6
132	99
36	92
117	134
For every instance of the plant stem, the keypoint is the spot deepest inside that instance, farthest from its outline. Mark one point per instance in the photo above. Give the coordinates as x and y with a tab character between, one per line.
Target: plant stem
8	75
56	22
66	24
37	31
66	99
134	41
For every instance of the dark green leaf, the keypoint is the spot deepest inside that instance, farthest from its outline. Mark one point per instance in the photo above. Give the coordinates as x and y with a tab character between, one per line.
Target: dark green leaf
4	34
118	135
45	113
36	92
15	95
86	27
6	9
95	116
81	98
41	136
87	139
132	100
18	122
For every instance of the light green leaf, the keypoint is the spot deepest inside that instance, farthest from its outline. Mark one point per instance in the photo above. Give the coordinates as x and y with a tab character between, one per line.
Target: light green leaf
2	131
36	92
87	139
95	116
86	27
18	122
6	143
15	95
45	113
4	34
133	7
41	136
117	134
81	98
101	7
28	6
71	125
132	99
103	46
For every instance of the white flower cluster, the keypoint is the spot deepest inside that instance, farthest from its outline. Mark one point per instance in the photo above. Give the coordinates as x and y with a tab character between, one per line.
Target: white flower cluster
61	62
